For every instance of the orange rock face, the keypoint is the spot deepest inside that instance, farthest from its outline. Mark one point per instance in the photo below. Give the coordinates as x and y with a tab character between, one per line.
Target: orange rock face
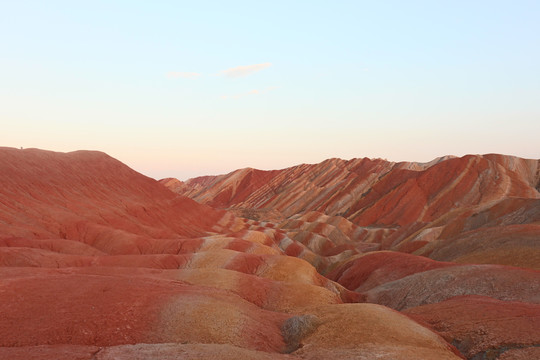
100	262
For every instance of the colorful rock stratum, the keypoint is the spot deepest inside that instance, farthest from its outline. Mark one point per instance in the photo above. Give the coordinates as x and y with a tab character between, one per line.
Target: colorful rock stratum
359	259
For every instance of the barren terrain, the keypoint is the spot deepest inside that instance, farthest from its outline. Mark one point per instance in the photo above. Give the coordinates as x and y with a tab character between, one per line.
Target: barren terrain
358	259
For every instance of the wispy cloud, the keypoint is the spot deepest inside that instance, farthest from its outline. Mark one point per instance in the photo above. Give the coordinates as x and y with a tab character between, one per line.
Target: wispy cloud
245	70
235	72
249	93
185	75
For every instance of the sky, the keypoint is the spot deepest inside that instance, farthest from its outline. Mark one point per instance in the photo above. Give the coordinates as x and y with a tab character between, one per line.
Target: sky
189	88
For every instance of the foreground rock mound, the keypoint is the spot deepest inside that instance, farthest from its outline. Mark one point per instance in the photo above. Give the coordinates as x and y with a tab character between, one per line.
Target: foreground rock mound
367	331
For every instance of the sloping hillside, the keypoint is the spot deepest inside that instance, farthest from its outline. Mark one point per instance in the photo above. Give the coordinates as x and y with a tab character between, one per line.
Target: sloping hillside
426	209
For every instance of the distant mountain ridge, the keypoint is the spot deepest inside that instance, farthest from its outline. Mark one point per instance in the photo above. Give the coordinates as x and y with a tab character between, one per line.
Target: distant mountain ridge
336	186
406	206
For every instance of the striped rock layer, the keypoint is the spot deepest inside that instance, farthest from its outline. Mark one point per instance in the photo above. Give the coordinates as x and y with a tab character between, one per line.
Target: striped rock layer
100	262
453	243
473	209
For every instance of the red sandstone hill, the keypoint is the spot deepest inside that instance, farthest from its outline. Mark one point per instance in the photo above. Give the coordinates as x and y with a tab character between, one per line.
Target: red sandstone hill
357	189
93	198
426	209
100	262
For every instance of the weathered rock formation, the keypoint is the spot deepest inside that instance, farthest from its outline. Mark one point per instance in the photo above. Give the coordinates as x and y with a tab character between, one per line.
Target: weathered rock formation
407	235
100	262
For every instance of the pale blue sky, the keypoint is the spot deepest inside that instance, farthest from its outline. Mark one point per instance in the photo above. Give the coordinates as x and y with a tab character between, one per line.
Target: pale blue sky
151	83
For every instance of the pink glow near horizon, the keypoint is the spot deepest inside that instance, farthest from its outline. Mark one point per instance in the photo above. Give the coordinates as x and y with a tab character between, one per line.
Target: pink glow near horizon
206	90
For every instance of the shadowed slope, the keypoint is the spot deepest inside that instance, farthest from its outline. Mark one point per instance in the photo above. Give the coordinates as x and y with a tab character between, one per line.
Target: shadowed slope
432	286
373	269
483	327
